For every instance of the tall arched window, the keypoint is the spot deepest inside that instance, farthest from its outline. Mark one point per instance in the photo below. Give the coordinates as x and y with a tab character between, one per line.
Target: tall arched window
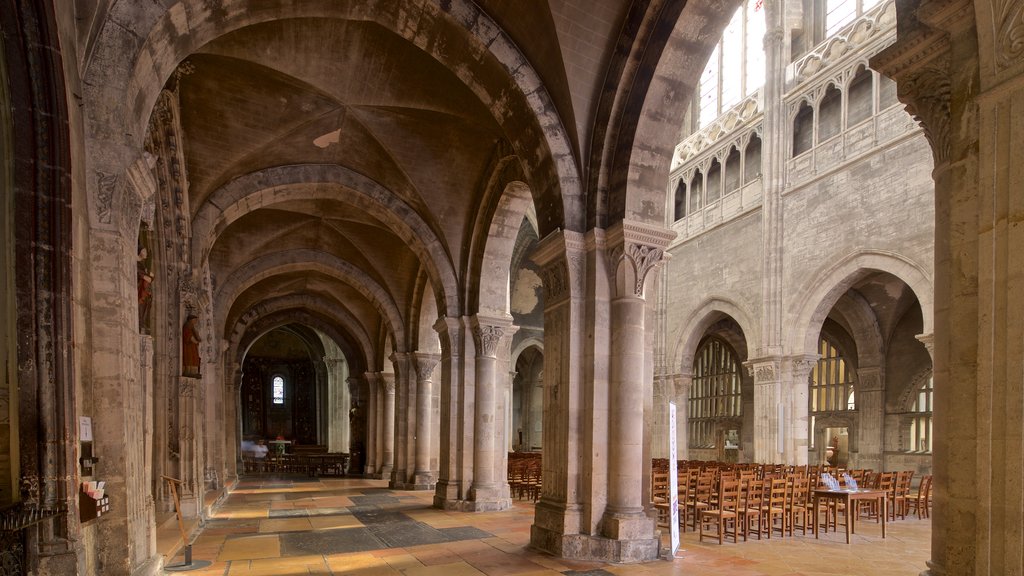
715	391
740	49
277	390
839	13
831	383
921	422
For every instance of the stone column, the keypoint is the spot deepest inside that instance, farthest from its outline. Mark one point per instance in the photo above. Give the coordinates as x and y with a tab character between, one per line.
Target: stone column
455	441
232	423
767	373
870	397
959	69
635	251
574	477
795	398
664	392
387	462
424	476
339	402
405	420
372	418
485	492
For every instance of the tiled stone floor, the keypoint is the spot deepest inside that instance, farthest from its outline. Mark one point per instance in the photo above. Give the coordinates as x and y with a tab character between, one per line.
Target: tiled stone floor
286	527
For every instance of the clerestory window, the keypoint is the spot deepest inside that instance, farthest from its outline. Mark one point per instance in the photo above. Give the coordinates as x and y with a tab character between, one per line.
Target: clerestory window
740	49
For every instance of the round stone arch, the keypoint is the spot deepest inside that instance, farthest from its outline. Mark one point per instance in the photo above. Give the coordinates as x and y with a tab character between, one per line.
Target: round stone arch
811	304
310	261
271	186
358	342
697	324
864	327
491	262
121	89
644	103
239	347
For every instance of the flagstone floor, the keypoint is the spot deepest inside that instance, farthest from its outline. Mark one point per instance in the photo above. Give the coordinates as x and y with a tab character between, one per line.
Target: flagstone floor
277	526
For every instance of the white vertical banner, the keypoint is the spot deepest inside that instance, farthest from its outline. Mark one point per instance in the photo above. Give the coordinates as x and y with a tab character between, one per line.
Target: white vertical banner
673	479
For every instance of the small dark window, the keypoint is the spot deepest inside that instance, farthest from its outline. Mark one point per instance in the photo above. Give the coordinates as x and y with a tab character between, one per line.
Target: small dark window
858	102
680	198
803	130
732	172
714	182
752	163
696	189
830	114
886	92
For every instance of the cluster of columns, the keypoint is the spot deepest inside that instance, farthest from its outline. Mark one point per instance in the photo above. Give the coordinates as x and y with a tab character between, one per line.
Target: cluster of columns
598	374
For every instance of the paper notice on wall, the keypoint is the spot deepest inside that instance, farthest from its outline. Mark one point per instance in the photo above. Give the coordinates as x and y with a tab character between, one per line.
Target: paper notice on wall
85	429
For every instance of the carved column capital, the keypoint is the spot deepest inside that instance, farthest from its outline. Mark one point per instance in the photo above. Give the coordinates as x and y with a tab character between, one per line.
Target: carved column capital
562	261
449	332
929	343
488	334
387	382
425	363
764	371
634	250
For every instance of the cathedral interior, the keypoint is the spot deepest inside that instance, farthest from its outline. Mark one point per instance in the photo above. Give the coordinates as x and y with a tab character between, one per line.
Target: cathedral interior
413	243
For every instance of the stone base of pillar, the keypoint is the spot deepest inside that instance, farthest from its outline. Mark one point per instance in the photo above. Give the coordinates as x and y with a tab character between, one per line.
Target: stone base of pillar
933	570
150	567
488	498
385	473
446	494
414	485
63	563
593	548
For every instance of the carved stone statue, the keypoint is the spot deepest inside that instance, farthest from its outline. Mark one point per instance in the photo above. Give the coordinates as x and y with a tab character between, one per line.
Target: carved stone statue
145	285
190	348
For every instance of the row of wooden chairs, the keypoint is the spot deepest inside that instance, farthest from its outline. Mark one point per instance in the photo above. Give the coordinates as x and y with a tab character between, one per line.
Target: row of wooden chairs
782	502
524	475
309	464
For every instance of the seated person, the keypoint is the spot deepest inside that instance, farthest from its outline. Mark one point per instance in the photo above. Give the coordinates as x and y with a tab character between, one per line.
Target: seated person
260	450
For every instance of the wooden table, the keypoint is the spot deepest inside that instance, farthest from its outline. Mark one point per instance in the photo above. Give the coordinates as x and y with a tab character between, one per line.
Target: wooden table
849	498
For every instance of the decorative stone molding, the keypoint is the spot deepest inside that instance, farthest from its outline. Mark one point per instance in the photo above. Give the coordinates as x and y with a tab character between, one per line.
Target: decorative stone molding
927	94
641	248
560	256
449	332
107	186
387	382
878	23
425	364
487	337
1009	21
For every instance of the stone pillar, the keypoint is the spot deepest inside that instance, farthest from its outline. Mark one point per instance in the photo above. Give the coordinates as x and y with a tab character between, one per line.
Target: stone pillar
339	402
795	398
870	397
372	418
405	416
424	475
573	484
387	388
960	70
486	491
767	375
635	251
232	423
455	442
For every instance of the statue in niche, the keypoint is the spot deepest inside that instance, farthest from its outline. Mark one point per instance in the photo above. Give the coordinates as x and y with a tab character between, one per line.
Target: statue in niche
144	279
190	348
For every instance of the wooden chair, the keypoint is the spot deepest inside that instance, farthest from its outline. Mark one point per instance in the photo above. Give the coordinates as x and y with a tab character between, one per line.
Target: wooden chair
750	508
921	501
660	495
725	513
797	505
901	494
774	506
701	499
